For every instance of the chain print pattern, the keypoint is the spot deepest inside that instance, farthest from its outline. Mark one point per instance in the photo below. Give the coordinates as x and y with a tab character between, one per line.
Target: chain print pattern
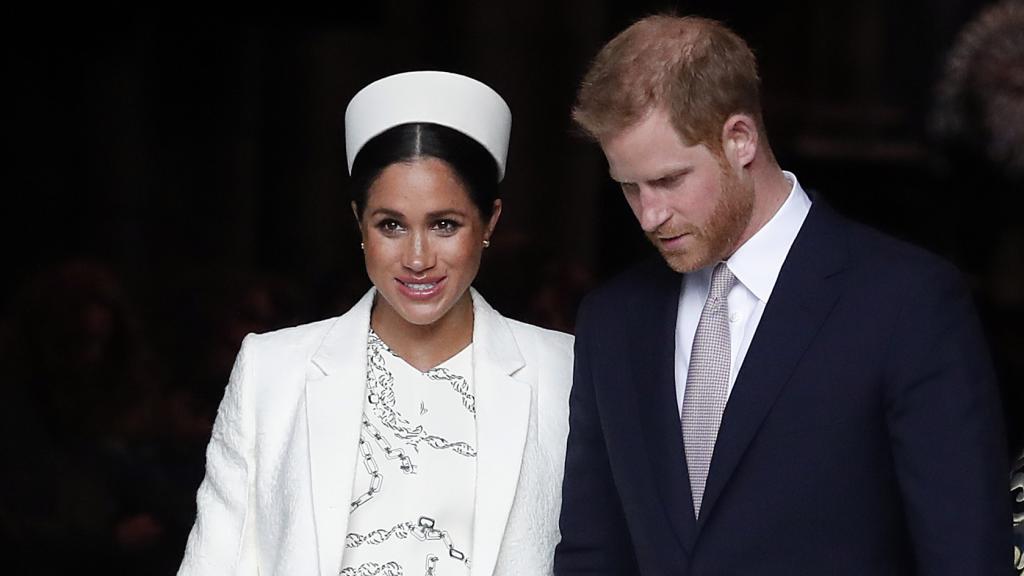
381	397
379	536
423	531
370	463
458	383
431	564
389	569
374	569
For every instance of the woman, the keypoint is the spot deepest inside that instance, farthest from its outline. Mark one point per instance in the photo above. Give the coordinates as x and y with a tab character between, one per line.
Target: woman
421	432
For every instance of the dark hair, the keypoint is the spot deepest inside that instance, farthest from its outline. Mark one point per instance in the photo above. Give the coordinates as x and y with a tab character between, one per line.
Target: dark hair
472	164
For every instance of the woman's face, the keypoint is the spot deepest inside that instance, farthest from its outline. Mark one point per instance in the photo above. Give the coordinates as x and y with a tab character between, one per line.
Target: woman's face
423	239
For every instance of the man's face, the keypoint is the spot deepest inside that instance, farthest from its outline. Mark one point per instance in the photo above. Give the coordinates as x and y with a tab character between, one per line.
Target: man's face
692	205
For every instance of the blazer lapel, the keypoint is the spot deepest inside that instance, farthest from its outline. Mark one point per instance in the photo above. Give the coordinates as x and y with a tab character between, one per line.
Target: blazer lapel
335	384
503	419
805	293
654	383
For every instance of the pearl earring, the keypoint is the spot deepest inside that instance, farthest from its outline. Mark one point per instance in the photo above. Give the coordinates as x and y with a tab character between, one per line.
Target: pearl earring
362	246
487	243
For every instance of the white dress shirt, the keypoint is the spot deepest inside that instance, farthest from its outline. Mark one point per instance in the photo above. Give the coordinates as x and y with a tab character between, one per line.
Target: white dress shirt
756	265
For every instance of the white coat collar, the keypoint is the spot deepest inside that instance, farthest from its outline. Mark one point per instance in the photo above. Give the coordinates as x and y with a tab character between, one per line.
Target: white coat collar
335	386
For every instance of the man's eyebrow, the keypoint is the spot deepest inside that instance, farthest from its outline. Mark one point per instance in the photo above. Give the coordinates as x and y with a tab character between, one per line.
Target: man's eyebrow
672	174
611	175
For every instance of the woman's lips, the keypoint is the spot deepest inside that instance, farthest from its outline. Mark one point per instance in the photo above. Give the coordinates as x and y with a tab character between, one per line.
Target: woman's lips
420	289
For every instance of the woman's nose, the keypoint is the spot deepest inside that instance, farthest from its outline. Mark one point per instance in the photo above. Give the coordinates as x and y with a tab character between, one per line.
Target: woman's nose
418	255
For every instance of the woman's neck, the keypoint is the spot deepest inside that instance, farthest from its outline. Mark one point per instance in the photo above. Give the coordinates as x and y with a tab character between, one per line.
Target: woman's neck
424	346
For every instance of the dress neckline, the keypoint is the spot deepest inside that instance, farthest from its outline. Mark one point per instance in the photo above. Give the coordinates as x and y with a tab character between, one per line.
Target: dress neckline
444	364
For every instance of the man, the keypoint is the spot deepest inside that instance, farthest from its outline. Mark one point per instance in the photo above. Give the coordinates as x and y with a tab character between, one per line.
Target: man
793	394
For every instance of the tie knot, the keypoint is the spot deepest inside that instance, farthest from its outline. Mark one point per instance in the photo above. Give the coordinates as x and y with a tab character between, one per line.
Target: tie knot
722	282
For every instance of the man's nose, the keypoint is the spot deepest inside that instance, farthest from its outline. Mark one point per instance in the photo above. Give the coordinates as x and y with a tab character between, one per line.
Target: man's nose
652	211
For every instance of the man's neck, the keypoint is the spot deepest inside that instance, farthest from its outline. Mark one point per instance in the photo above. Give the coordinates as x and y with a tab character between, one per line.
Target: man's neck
771	188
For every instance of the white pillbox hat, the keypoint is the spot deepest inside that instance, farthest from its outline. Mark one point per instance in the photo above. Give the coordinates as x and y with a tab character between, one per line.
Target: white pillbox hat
458	102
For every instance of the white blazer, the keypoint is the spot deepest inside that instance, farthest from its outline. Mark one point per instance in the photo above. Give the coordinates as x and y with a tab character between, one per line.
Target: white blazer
282	458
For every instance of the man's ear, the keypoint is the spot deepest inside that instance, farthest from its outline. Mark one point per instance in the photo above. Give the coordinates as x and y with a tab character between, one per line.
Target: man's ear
740	139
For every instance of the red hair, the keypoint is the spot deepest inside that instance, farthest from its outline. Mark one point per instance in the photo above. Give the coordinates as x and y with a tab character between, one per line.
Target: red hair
699	70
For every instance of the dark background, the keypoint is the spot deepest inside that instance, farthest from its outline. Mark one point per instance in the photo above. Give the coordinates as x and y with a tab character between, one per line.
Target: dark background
174	179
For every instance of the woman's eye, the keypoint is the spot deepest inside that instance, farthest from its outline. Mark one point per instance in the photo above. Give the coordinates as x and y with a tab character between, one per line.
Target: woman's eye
389	226
447	227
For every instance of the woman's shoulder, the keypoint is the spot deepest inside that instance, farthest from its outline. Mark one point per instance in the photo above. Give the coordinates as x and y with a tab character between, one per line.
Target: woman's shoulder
275	363
528	336
550	351
301	336
311	336
544	336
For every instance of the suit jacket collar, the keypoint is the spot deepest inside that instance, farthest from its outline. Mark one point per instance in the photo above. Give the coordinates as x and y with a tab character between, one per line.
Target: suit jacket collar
758	262
491	332
503	398
805	293
335	389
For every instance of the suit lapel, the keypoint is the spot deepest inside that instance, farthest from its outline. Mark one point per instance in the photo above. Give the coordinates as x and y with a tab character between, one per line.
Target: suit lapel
503	419
653	354
805	293
335	385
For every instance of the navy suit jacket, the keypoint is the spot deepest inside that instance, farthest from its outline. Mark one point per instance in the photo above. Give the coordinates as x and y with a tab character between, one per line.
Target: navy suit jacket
863	435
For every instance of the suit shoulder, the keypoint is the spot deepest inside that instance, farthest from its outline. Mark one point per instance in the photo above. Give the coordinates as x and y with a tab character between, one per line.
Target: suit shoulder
640	279
613	305
885	257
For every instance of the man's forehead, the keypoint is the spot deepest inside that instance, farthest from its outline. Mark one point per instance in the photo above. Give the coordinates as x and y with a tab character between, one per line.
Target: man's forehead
650	150
655	173
655	125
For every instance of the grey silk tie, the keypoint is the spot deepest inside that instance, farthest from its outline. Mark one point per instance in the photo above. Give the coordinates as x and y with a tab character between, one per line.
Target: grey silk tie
707	382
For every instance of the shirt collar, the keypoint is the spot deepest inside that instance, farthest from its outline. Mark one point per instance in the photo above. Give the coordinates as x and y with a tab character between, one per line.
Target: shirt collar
757	263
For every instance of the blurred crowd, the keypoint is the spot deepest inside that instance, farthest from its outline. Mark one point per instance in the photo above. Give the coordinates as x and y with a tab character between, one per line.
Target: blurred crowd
103	438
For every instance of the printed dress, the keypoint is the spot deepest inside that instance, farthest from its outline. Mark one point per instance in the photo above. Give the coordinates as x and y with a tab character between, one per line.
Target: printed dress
415	487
